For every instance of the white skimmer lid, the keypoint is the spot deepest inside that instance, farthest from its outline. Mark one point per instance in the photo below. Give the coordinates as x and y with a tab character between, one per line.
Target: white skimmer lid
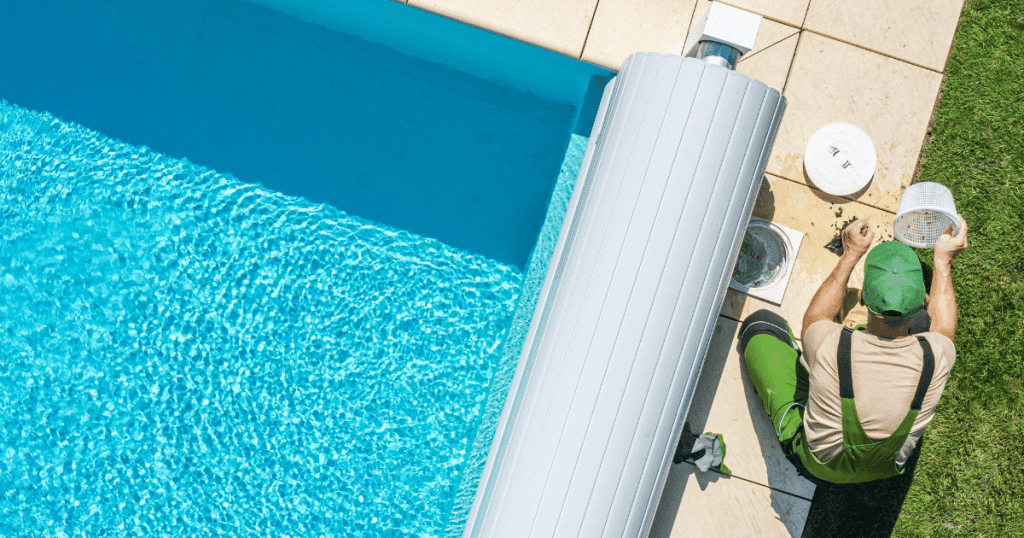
840	159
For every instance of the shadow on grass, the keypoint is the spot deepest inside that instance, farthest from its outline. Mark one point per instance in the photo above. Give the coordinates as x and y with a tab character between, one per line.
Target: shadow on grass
861	510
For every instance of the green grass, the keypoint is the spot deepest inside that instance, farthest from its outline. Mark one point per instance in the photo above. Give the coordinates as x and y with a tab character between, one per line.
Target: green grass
970	478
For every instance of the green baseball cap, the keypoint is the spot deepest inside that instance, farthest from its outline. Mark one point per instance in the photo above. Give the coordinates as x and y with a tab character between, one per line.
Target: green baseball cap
893	281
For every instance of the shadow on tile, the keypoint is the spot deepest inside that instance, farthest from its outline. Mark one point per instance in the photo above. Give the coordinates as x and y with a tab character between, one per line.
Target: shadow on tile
769	442
764	205
861	510
708	383
700	409
672	496
835	199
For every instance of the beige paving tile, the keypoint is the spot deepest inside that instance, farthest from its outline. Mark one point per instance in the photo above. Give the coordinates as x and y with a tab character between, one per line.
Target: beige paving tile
819	216
726	402
890	100
558	25
710	505
770	65
919	31
622	27
790	12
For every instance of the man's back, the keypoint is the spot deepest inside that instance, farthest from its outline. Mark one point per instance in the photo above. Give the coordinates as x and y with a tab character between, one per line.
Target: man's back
885	376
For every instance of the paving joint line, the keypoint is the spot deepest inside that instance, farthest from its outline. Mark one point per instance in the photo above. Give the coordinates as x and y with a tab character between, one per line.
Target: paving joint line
886	55
891	212
749	481
791	494
792	61
587	36
689	26
766	47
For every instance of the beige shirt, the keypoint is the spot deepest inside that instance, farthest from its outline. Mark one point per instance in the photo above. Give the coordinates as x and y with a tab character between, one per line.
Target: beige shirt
885	376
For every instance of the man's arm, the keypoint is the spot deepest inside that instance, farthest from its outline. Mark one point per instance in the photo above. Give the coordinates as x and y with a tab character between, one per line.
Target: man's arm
828	300
942	300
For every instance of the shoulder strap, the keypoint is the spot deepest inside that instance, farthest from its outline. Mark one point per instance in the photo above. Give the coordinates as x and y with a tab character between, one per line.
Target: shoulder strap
843	361
926	374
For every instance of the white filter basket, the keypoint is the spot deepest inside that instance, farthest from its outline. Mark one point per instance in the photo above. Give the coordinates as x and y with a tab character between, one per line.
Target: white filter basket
926	211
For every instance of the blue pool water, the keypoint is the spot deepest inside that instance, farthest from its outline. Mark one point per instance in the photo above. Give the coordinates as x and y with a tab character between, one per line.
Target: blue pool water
185	353
377	108
266	270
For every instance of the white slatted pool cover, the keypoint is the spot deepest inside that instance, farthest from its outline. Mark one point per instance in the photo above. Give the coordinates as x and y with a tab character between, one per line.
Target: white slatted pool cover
629	302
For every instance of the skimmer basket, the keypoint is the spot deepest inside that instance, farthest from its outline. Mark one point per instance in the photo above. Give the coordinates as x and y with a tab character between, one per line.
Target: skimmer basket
926	211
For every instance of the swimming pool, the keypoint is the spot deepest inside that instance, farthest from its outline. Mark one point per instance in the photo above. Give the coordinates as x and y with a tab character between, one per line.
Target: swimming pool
185	352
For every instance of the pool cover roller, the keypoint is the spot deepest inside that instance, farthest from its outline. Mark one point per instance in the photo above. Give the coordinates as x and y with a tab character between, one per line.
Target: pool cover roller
629	303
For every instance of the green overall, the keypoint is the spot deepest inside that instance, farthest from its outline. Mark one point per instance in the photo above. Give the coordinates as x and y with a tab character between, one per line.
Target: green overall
861	459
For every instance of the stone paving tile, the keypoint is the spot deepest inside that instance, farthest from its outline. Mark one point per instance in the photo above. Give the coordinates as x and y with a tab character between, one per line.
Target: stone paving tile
890	100
622	27
819	216
558	25
790	12
726	402
770	65
712	505
919	31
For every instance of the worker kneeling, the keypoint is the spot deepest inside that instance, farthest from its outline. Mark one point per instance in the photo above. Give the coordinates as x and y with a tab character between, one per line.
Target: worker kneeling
853	406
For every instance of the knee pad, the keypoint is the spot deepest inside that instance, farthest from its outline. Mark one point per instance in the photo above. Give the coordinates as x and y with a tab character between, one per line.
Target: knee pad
765	322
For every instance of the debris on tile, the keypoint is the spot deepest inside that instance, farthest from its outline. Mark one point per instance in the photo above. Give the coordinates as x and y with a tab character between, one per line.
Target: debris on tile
835	246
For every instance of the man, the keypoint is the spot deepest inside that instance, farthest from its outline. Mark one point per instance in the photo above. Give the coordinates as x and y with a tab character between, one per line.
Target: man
853	407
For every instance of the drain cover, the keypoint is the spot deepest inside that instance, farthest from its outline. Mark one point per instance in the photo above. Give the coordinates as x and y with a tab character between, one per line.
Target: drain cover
766	259
762	259
840	159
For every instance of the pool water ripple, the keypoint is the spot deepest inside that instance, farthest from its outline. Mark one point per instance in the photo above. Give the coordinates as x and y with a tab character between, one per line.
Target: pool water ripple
182	353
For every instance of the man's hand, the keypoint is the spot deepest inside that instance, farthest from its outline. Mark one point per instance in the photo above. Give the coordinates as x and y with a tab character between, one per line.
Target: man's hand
948	245
857	238
828	300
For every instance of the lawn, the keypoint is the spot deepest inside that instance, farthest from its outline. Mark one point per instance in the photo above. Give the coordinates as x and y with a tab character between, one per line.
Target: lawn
970	477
